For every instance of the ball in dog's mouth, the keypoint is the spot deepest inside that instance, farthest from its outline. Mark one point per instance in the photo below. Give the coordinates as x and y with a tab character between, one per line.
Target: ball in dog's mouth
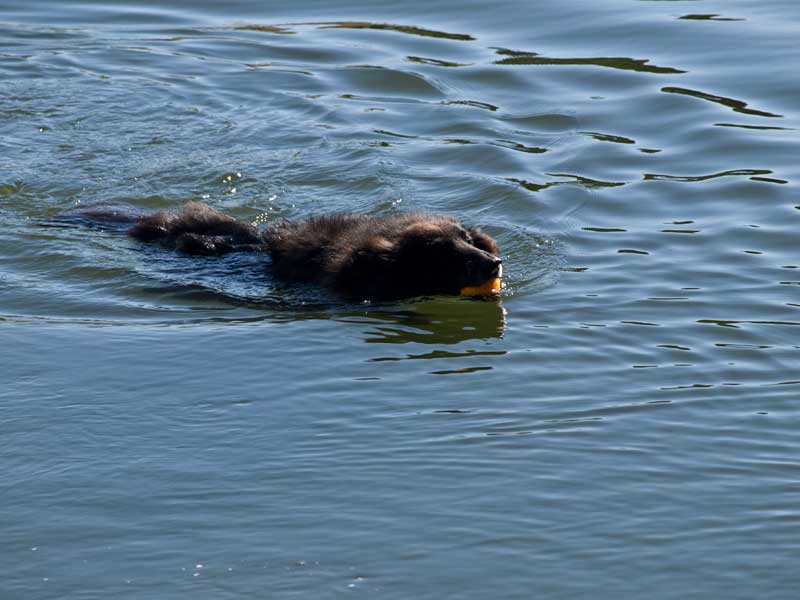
490	287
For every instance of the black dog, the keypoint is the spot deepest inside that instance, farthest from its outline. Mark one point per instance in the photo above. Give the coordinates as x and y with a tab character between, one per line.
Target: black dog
397	256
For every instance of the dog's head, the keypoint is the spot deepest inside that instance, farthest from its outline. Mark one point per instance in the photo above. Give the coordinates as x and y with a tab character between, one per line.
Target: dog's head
444	257
428	255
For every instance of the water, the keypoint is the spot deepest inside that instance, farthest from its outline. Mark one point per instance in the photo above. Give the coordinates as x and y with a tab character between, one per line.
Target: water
622	423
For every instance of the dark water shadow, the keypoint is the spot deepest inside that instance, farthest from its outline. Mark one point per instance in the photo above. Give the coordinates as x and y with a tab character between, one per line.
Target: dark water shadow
687	178
435	62
737	105
516	57
708	17
279	29
406	29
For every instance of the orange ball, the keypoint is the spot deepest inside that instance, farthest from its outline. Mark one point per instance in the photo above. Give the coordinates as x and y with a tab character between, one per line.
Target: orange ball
489	288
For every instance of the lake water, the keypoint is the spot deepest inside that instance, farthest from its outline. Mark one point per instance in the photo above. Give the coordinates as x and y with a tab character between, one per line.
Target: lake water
622	423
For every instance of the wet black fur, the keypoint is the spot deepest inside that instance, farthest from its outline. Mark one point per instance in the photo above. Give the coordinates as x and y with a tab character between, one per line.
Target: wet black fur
403	255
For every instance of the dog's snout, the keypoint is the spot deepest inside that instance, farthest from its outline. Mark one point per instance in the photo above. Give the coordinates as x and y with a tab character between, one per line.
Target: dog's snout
482	266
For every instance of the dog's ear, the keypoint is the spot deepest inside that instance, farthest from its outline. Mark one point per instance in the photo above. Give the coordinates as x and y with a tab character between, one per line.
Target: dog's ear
364	261
483	241
367	270
419	237
376	248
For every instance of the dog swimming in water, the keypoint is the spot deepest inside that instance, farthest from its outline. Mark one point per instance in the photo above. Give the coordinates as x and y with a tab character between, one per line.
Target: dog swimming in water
357	256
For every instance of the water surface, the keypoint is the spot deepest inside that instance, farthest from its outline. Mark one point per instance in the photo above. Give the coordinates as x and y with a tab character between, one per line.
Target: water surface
622	423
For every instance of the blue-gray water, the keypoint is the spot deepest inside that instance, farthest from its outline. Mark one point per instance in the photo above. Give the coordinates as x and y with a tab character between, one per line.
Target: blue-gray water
622	423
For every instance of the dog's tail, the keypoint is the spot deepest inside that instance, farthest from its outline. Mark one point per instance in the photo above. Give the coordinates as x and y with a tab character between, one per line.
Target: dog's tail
110	215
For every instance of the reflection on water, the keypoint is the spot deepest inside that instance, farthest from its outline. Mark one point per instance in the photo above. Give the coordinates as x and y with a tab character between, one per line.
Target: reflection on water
436	354
442	322
439	321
